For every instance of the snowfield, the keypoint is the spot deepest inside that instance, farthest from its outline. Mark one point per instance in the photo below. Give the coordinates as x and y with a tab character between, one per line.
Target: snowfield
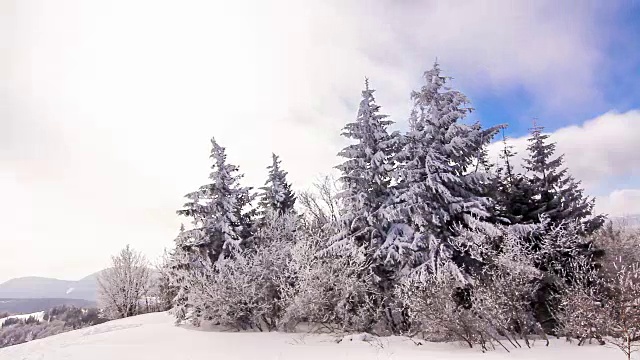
155	337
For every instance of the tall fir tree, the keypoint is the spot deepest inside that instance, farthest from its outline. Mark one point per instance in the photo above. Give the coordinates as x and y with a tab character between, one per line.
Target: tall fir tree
437	189
277	194
366	180
366	177
220	222
555	201
557	195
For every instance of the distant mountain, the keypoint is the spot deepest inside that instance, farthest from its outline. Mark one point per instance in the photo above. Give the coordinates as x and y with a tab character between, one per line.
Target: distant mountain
25	306
33	287
40	287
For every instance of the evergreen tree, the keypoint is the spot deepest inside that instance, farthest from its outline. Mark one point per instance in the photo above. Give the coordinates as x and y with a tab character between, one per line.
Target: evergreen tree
557	195
365	180
277	194
554	200
366	177
181	261
513	193
436	188
217	211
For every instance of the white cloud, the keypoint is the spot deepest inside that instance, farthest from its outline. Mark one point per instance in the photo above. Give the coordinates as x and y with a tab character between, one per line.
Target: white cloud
549	49
596	151
107	107
620	203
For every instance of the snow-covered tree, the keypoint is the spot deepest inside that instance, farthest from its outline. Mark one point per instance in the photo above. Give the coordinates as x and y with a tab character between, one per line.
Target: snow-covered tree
436	187
620	244
423	235
623	312
580	312
220	222
513	192
553	248
491	307
164	291
557	195
435	314
504	292
221	226
277	194
242	292
181	263
122	286
333	292
606	308
365	179
366	172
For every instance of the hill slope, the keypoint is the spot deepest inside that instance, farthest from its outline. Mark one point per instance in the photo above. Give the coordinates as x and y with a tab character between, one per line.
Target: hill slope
153	336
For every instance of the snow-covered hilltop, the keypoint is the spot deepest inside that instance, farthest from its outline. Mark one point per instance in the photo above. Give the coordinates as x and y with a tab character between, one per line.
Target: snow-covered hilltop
154	336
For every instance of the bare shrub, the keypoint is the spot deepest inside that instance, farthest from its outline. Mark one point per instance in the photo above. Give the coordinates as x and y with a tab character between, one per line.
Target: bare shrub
123	286
607	309
437	315
328	291
623	312
321	206
245	292
280	283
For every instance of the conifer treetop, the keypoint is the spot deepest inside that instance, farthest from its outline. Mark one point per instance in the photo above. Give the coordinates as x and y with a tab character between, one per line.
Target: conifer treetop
220	223
277	194
557	195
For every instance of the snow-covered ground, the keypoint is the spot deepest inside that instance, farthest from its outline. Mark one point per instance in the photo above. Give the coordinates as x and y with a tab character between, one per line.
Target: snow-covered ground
38	315
154	337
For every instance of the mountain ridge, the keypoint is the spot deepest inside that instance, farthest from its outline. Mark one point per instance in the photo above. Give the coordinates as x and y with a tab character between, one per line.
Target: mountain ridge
40	287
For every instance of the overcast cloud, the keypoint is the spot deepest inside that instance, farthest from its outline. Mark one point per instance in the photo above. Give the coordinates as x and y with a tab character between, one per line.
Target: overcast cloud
106	107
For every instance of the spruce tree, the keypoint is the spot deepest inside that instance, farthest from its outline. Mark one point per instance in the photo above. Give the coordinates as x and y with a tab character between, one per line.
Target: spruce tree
277	194
365	181
366	177
180	263
513	193
220	223
555	201
557	196
437	189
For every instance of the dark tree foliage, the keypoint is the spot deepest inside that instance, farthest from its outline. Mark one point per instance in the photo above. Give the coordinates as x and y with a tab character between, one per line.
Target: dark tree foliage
277	194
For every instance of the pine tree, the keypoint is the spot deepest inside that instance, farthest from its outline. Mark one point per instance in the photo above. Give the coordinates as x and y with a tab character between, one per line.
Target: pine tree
277	194
436	187
217	211
557	195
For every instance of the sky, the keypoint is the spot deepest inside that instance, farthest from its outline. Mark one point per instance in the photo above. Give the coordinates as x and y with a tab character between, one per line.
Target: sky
107	107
